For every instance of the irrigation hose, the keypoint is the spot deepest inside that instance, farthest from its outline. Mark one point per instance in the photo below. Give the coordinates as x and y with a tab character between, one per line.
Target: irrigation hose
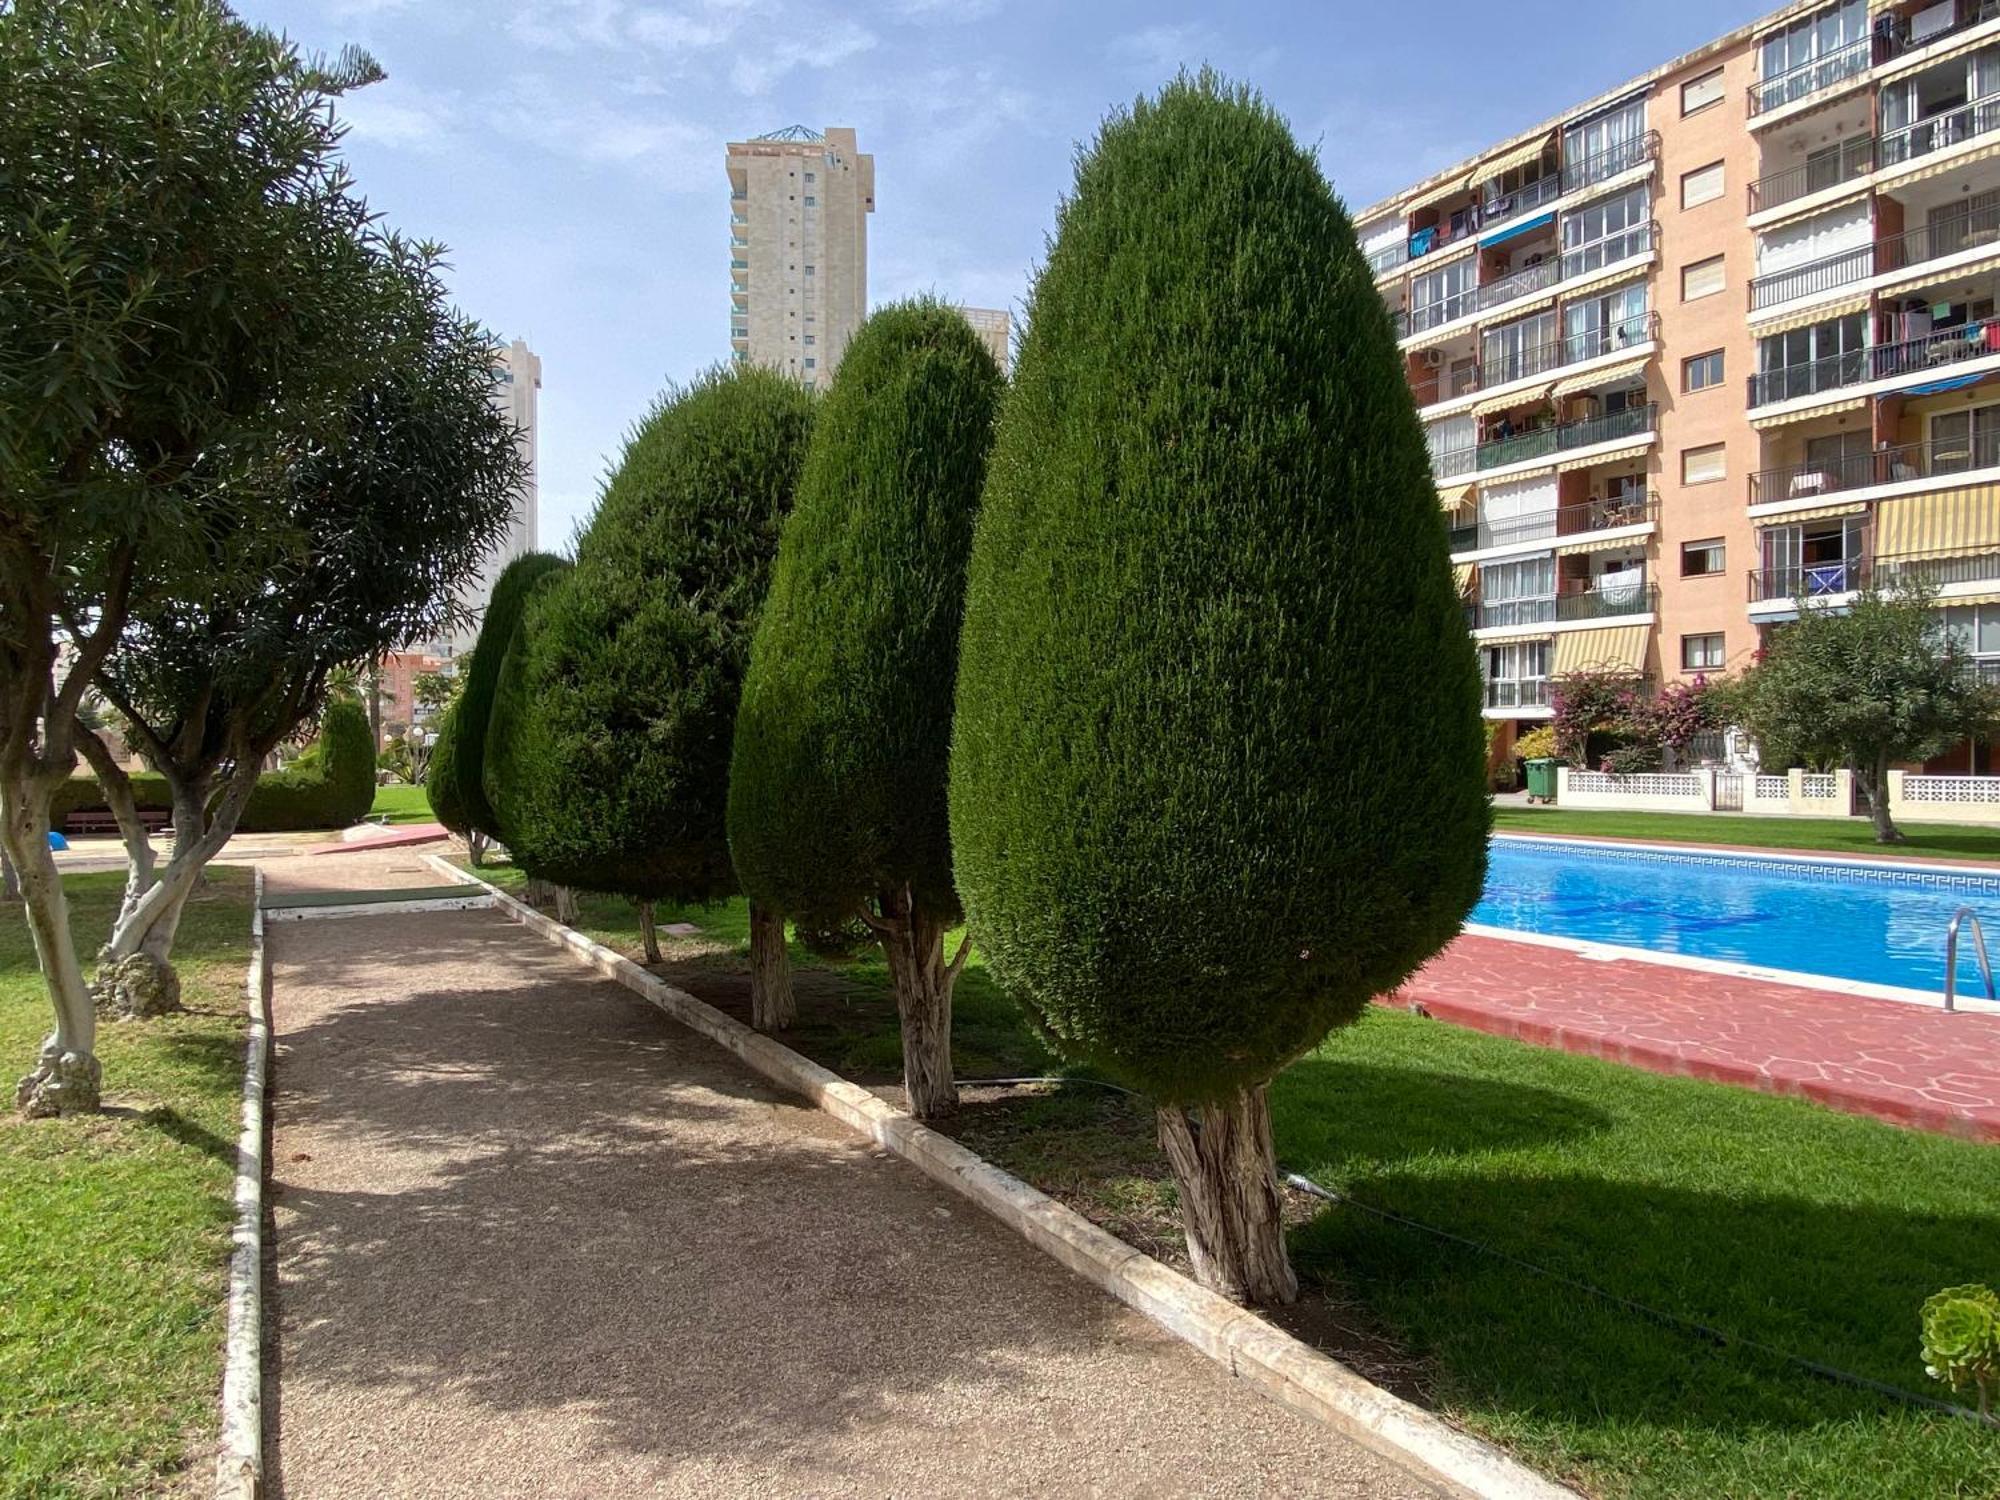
1713	1335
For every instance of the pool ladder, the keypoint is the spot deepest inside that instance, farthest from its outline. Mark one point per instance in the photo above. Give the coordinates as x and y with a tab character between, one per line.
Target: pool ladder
1963	915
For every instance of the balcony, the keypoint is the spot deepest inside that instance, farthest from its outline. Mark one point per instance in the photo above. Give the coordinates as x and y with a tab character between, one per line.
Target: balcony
1620	157
1952	127
1911	462
1965	15
1920	356
1579	519
1514	612
1827	71
1937	569
1526	692
1809	280
1539	359
737	264
1946	233
1522	283
1852	161
1382	262
1610	603
1457	462
1809	580
1587	260
1523	200
1436	314
1547	441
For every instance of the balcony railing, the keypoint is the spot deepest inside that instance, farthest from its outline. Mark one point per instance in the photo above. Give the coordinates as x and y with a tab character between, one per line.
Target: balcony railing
1609	251
1454	463
1388	259
1809	580
1510	612
1523	199
1936	569
1620	156
1854	159
1561	521
1520	447
1946	233
1526	692
1521	283
1608	603
1814	277
1912	461
1828	70
1945	347
1444	310
1904	38
1938	132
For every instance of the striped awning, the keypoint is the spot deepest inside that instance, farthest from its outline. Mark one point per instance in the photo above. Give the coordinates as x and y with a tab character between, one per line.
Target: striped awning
1959	48
1509	637
1993	598
1456	494
1930	270
1527	396
1951	161
1817	513
1586	541
1620	648
1616	455
1807	413
1626	272
1966	520
1503	162
1819	312
1592	379
1462	575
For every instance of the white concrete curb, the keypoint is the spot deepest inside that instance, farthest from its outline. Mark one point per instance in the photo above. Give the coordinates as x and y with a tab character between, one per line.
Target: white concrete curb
376	908
1276	1363
239	1464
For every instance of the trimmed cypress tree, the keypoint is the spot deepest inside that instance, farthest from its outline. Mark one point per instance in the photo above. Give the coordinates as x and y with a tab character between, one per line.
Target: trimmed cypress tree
632	667
482	679
837	783
1217	773
514	761
441	776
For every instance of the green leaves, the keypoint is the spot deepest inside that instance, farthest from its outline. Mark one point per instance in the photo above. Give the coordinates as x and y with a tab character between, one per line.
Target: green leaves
1961	1339
1217	773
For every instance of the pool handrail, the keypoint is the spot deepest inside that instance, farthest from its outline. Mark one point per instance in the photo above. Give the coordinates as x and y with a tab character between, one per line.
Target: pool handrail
1962	915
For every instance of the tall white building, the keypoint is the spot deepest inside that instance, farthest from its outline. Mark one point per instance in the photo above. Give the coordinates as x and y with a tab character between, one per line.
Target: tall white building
995	327
799	202
517	385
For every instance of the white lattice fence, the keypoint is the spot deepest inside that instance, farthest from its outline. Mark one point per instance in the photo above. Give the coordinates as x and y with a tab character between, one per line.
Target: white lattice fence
1773	788
1649	784
1817	788
1983	791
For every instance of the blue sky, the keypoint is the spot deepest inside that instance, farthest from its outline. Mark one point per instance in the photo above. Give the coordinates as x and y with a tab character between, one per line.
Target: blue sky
570	151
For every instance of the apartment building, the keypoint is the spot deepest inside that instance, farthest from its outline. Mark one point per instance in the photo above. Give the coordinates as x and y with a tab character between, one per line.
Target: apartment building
995	327
517	392
1717	339
799	202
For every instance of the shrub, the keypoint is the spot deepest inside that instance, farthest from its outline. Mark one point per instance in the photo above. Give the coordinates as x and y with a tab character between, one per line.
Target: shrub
331	786
511	766
837	780
482	678
1201	812
1961	1347
1537	744
633	664
441	783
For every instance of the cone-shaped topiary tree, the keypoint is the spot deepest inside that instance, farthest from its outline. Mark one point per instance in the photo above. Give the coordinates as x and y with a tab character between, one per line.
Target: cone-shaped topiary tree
632	667
441	776
1217	769
514	764
837	790
482	679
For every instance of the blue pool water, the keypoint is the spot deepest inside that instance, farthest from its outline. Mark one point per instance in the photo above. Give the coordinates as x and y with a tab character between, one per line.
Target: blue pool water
1881	926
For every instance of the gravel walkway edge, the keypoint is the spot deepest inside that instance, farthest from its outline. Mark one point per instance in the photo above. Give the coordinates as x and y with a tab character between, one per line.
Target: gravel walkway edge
239	1463
1273	1362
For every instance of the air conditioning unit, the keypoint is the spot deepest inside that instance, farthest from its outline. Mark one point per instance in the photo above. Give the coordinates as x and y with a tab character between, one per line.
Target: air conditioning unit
1433	358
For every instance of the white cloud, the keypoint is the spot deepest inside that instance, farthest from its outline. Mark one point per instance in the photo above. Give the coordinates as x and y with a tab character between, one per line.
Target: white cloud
1161	49
674	155
945	10
762	61
399	116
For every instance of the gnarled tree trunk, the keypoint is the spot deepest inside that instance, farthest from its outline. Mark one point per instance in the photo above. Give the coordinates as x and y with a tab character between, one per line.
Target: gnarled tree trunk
475	848
566	912
538	893
67	1075
649	934
772	1004
913	942
1874	781
1227	1173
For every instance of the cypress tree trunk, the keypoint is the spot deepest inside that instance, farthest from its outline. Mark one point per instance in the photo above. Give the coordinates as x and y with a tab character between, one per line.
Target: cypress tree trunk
67	1075
913	942
773	1007
538	893
1227	1173
648	933
566	905
475	847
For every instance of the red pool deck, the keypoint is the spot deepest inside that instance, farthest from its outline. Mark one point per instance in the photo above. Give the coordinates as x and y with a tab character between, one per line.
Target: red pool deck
1903	1063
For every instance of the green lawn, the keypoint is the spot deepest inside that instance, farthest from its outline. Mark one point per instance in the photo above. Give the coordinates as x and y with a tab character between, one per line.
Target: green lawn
402	804
114	1230
1770	1219
1828	835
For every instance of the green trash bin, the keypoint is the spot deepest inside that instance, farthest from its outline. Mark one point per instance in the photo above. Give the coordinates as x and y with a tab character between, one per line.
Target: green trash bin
1541	780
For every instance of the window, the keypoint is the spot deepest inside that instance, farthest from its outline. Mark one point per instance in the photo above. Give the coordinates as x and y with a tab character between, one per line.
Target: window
1604	233
1702	559
809	270
1699	93
1518	593
1519	349
1703	185
811	201
1702	653
1805	360
1702	465
1976	630
1441	295
1965	440
1517	674
1702	279
1813	53
1604	145
812	338
810	362
1701	372
1606	324
810	177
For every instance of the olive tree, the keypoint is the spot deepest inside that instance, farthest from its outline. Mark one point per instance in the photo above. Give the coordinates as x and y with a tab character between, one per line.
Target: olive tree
1217	776
185	300
837	779
633	665
1865	685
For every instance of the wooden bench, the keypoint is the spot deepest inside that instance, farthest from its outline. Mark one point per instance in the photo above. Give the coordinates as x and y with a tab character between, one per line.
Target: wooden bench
103	820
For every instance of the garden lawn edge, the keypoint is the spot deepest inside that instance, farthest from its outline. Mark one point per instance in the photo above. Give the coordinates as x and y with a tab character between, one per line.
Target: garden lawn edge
239	1463
1274	1362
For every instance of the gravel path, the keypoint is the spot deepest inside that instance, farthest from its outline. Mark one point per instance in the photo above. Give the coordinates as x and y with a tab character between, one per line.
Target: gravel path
535	1240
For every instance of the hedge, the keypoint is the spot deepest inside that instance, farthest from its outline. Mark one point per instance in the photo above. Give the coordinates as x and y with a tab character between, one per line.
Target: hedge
482	679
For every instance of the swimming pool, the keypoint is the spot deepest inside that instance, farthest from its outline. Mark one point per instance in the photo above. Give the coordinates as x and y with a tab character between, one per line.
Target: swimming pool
1879	926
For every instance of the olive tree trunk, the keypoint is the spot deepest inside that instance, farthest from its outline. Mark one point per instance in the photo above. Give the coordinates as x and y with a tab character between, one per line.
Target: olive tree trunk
1227	1173
1874	779
773	1007
67	1075
649	934
913	942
